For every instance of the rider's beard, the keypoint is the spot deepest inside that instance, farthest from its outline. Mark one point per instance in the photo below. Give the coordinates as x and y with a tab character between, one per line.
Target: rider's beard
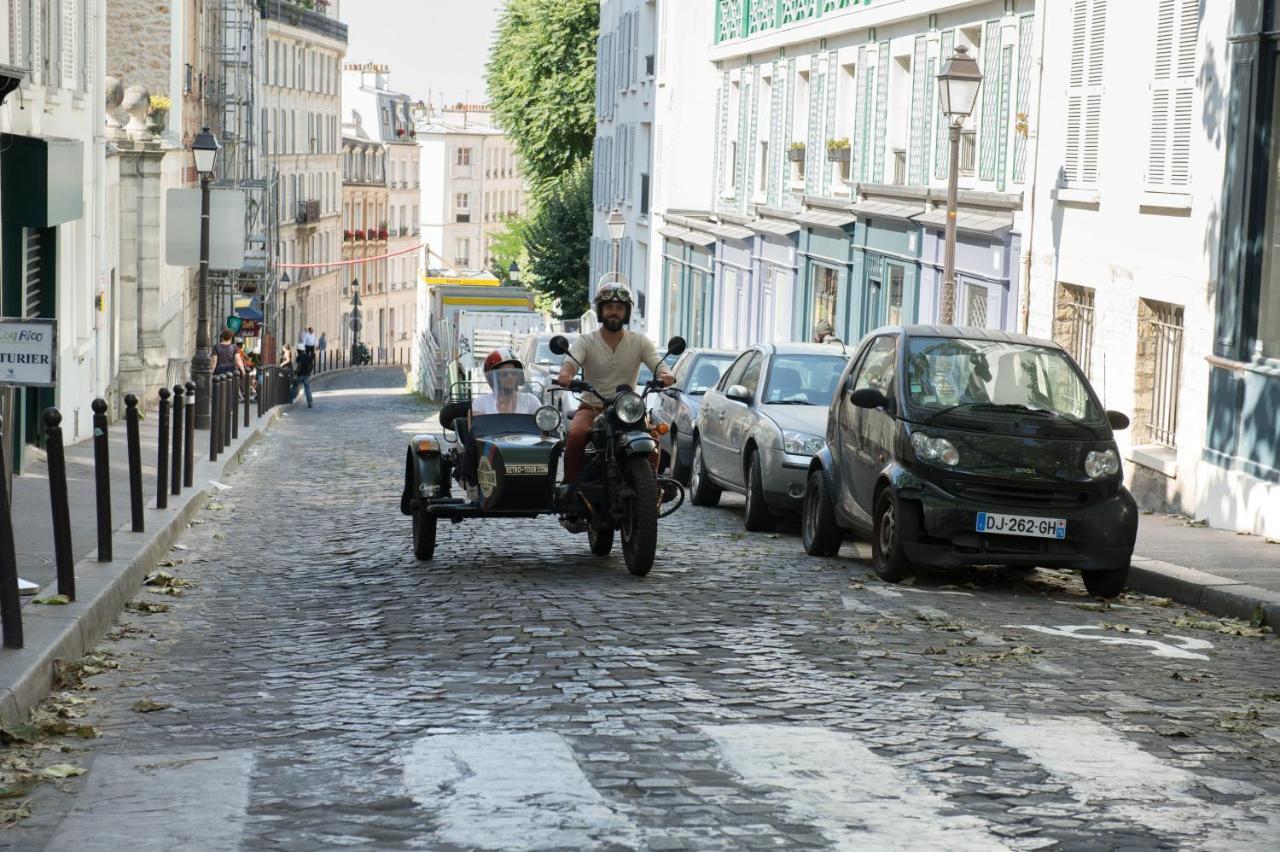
613	323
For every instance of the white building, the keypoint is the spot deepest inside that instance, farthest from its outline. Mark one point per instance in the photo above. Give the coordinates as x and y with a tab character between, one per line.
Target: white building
383	117
302	121
471	184
58	182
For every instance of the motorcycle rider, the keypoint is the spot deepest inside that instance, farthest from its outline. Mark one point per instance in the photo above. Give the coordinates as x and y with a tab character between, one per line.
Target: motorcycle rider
505	374
610	356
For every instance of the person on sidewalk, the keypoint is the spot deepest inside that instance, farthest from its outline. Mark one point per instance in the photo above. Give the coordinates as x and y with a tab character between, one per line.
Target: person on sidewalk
286	357
308	340
302	369
323	344
226	355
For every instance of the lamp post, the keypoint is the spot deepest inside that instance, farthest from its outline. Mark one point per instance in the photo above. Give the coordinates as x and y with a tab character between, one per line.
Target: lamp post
204	148
513	273
958	84
617	227
355	318
284	309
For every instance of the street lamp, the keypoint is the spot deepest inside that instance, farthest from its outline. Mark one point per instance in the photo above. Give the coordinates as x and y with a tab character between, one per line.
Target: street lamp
617	227
513	273
204	148
284	309
958	85
355	318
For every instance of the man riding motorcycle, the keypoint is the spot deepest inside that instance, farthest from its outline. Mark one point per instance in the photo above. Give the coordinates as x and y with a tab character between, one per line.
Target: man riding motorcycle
610	356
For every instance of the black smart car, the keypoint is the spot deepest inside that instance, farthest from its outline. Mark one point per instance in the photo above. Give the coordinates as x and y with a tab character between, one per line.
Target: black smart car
959	446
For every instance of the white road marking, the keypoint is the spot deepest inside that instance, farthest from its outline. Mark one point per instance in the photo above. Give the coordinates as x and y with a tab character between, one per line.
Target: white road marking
1102	767
1184	650
156	803
511	791
857	799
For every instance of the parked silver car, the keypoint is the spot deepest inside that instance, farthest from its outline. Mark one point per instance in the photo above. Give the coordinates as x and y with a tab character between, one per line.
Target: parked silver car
696	372
541	365
761	424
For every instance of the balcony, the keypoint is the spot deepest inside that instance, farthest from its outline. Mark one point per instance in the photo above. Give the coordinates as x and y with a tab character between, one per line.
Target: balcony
291	13
308	212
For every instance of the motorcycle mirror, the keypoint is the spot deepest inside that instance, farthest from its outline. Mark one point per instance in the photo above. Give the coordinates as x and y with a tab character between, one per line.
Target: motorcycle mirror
676	345
559	344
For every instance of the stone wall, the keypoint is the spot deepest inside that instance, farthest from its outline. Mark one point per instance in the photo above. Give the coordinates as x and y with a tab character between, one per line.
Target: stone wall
139	43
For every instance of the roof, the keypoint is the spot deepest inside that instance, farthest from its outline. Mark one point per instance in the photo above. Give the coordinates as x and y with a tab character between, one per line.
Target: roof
727	231
687	235
887	209
775	227
808	349
966	333
815	219
981	223
363	115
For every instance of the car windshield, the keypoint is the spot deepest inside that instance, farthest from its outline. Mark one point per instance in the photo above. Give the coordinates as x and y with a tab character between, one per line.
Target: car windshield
705	372
803	379
981	377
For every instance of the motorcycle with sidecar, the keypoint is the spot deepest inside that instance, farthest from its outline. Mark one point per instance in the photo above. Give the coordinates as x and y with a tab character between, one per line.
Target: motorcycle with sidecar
506	466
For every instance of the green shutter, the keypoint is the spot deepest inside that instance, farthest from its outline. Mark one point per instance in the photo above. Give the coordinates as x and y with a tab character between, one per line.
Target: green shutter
722	133
868	135
1006	73
785	182
1025	36
942	150
817	79
859	126
776	113
829	122
747	139
882	105
989	123
926	133
917	169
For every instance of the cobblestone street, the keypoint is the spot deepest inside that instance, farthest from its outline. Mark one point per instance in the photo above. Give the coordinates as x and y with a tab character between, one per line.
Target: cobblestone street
318	688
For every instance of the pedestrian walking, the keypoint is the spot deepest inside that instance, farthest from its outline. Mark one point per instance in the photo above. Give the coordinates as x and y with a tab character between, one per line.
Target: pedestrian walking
302	368
308	339
286	357
323	344
227	355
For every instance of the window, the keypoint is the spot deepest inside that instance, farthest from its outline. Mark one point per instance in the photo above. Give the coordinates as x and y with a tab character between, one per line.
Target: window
876	371
968	151
644	194
896	276
1084	91
826	286
1073	323
462	200
1266	335
1159	372
733	376
462	253
1173	88
463	157
975	305
899	166
750	378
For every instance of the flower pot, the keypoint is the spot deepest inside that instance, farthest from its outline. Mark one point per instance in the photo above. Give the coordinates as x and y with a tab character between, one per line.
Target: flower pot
158	120
838	155
795	155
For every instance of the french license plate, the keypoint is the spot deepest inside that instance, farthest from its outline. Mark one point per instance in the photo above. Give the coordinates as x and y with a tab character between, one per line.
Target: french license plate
989	522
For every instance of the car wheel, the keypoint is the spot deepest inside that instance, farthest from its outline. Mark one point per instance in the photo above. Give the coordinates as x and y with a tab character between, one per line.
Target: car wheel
818	529
601	541
679	470
702	491
757	517
896	522
1106	584
424	535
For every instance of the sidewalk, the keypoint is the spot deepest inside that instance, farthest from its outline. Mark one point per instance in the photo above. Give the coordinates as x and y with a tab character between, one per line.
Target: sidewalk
1217	570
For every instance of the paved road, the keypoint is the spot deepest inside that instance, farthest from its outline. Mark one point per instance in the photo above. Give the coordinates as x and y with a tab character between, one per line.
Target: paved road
323	689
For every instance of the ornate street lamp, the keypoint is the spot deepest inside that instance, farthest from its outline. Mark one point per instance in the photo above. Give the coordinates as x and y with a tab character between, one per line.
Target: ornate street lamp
355	318
204	148
958	85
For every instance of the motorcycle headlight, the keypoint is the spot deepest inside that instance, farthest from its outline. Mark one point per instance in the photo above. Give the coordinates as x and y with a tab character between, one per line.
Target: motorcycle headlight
930	449
800	443
547	418
1100	463
630	408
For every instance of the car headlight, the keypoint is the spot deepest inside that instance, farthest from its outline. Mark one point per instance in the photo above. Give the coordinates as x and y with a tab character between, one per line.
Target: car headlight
630	408
1100	463
547	418
800	443
930	449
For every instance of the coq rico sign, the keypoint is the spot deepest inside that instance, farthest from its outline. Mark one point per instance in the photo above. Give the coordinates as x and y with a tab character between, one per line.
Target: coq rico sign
28	352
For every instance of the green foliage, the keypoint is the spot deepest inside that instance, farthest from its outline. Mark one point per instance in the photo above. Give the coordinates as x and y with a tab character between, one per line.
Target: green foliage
508	246
558	238
541	79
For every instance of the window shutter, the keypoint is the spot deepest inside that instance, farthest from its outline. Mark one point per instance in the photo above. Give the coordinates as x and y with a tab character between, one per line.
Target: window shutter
916	169
67	44
942	148
882	104
751	151
776	113
829	122
1173	95
989	121
813	140
1025	35
1084	93
856	102
722	134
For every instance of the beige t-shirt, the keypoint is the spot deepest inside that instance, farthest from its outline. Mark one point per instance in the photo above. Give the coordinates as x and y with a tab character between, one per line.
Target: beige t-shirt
605	368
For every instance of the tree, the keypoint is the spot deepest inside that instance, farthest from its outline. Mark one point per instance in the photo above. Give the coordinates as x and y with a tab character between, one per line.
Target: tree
508	246
541	78
558	238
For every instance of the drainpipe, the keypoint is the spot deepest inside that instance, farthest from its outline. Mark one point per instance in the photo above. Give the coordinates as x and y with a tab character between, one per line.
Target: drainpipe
1024	318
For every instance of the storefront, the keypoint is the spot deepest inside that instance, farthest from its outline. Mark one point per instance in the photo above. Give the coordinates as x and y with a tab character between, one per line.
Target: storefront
887	243
774	262
1239	479
830	285
688	285
738	295
986	260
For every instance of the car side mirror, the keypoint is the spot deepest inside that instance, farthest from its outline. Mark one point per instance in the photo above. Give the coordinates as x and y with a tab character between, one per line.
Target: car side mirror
559	344
869	398
738	393
1118	421
676	345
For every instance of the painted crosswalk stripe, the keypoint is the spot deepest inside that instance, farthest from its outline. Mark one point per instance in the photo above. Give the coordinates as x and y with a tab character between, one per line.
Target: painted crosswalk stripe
857	799
511	791
156	803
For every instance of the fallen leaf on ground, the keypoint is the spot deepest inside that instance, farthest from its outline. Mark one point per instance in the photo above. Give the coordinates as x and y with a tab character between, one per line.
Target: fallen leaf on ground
53	600
19	734
147	606
1229	626
62	770
10	814
1094	607
1162	602
146	705
1173	731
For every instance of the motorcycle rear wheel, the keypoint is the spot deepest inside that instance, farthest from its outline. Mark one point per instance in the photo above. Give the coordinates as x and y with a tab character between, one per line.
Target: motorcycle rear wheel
640	530
601	541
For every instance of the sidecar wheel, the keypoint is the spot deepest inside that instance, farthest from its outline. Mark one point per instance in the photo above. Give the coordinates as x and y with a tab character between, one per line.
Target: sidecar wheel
424	535
640	530
601	541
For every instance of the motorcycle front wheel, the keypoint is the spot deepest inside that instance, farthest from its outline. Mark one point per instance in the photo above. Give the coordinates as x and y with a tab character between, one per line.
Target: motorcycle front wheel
640	529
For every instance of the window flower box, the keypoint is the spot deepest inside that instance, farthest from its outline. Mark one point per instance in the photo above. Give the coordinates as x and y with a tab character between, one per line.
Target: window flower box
838	150
796	152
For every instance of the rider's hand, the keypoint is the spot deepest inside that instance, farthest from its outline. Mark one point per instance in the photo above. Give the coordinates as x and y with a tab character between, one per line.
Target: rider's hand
668	379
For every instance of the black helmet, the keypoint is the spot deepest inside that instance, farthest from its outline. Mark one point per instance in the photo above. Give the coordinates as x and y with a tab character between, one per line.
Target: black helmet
614	292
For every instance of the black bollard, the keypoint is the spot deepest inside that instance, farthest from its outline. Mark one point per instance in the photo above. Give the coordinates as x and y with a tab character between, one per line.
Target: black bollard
233	411
102	478
189	445
135	462
215	419
162	461
179	433
228	408
58	503
10	602
245	384
261	373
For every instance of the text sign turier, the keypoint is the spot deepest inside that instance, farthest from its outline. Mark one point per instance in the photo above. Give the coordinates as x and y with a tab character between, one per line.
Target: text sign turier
28	352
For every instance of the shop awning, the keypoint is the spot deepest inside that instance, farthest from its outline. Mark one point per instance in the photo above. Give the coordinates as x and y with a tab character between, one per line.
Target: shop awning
688	235
774	227
816	219
725	231
887	210
979	223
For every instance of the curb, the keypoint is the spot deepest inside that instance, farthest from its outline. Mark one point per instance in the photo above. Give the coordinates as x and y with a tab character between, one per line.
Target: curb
103	588
1221	596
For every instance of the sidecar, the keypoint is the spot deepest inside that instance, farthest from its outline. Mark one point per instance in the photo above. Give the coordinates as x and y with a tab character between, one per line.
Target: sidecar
490	465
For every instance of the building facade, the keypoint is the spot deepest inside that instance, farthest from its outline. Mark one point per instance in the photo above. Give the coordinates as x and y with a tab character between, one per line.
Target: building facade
471	184
302	124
